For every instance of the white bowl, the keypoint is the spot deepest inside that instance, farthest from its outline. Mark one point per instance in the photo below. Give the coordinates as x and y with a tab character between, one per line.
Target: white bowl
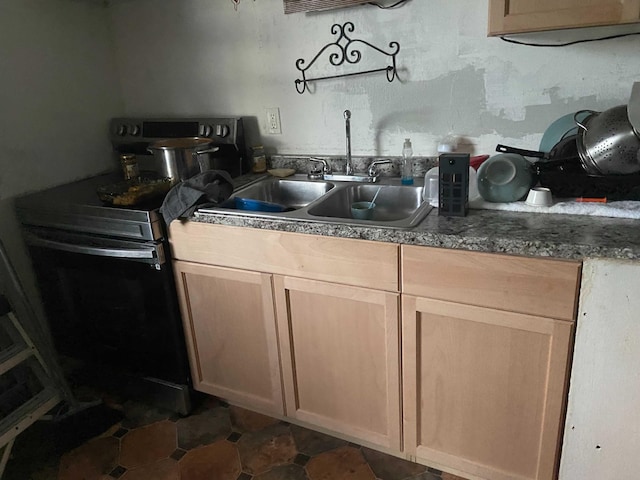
539	197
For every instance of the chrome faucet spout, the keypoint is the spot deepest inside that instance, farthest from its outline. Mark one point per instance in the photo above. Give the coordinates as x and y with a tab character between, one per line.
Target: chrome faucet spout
373	168
347	120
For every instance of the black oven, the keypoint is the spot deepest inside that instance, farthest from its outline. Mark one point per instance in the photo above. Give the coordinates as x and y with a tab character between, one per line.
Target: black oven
104	272
110	302
107	289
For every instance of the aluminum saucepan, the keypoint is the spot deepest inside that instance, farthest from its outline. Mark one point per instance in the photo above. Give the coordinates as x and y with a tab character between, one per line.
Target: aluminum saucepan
180	158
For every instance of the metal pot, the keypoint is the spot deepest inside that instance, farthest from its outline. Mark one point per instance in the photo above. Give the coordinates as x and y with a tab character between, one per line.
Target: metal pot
182	158
607	142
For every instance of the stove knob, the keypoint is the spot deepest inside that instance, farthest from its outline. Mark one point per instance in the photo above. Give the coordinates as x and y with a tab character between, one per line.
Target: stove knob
222	130
205	130
121	130
134	130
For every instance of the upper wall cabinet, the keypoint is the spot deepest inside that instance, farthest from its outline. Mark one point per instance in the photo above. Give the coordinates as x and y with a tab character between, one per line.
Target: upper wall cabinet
293	6
520	16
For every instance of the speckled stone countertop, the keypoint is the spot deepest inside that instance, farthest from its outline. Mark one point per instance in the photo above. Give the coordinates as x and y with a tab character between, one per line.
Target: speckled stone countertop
543	235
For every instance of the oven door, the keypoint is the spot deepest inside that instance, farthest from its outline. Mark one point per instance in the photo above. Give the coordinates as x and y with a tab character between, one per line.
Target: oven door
111	302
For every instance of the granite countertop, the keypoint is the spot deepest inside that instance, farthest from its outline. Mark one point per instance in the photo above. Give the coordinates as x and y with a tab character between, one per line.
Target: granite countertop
521	233
543	235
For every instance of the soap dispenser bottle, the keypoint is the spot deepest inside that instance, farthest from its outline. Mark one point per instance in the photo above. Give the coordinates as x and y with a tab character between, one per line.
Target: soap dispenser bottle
407	166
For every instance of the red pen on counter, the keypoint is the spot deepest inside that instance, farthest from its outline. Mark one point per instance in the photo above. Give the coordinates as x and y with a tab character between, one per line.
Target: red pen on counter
591	200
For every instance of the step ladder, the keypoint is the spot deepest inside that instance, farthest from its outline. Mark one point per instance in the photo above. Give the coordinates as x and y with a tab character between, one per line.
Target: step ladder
31	380
27	391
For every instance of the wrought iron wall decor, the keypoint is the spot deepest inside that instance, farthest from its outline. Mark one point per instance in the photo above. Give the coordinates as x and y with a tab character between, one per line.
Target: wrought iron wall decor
346	53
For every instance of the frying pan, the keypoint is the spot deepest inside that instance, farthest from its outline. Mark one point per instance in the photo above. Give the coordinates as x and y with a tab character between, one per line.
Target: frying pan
562	171
563	154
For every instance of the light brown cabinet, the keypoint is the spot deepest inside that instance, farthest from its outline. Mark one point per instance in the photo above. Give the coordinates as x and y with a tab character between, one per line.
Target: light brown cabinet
455	359
483	389
341	359
519	16
335	350
230	329
484	384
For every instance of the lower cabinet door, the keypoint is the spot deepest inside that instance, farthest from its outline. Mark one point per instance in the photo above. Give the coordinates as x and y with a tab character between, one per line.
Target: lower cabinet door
229	324
484	389
340	358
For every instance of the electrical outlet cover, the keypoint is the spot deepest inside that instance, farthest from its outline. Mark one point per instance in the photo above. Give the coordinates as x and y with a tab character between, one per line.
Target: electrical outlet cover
273	120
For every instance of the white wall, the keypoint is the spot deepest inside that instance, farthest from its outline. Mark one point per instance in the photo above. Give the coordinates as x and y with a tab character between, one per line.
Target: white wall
200	56
602	433
58	88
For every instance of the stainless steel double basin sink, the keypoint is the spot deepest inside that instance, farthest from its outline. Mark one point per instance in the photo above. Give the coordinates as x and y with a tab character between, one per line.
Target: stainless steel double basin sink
298	198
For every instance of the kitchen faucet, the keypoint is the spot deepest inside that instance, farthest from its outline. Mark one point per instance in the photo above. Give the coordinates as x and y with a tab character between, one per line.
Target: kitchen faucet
325	173
348	170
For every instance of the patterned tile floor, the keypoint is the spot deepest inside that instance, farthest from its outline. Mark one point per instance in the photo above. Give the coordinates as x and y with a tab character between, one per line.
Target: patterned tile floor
219	442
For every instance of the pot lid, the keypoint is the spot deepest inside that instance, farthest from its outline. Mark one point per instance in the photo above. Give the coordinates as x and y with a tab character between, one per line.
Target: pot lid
181	143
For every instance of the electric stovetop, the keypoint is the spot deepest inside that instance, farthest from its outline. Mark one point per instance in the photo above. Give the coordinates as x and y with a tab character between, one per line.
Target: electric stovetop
75	206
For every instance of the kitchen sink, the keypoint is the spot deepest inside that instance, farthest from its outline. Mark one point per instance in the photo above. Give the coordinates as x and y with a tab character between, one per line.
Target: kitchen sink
392	203
397	206
292	193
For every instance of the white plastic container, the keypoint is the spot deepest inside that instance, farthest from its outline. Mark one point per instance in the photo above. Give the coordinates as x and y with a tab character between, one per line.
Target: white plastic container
448	144
432	186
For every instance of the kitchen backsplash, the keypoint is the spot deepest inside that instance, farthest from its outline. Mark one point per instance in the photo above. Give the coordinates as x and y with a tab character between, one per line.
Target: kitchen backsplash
301	163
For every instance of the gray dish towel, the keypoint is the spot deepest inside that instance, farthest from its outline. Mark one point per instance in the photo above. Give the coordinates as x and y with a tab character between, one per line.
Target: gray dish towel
212	186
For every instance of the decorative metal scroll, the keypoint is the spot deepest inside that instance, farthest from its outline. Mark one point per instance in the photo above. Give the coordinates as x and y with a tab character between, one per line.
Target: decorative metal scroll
347	52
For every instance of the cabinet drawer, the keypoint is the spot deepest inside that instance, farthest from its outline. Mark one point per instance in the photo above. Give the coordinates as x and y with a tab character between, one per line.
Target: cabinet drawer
340	260
535	286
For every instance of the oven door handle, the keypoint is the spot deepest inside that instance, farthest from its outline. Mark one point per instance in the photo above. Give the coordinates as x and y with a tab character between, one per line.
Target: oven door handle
149	253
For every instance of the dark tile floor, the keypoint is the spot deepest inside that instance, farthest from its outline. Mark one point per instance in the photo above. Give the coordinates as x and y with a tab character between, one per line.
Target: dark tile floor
216	442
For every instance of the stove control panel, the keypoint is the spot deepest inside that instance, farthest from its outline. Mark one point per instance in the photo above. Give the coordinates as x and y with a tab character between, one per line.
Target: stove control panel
134	135
126	131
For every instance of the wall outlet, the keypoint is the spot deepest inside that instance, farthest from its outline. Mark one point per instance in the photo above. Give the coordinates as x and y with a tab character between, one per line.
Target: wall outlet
273	121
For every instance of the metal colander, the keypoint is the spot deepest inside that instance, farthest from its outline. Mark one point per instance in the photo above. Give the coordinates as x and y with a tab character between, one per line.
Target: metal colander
607	142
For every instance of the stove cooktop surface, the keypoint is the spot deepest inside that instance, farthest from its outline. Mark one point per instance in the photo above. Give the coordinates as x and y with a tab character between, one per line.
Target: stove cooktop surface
82	195
76	206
